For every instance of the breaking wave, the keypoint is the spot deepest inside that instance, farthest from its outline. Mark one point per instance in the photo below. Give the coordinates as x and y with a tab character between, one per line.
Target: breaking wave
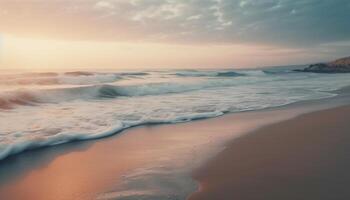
11	99
7	149
61	107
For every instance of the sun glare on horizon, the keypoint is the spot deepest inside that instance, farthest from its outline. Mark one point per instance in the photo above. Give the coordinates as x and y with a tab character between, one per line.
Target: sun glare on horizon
121	34
48	54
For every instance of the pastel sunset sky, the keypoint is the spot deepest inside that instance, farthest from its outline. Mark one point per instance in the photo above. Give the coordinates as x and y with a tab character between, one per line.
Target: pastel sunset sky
132	34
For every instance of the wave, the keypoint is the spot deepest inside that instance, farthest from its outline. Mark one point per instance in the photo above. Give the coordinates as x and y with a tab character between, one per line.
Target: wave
30	81
229	74
277	72
93	78
66	78
193	73
7	149
133	73
83	73
9	100
96	113
79	73
282	70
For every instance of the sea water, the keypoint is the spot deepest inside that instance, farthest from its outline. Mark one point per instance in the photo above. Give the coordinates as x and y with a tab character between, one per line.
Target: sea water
44	109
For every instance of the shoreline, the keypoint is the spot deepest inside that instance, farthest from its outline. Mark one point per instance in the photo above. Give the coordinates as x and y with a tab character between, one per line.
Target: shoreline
139	150
293	159
338	99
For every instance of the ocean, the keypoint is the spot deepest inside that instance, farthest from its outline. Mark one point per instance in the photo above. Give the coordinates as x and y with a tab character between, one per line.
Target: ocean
45	109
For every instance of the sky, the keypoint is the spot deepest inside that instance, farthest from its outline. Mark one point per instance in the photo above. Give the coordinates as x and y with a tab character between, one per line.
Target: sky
133	34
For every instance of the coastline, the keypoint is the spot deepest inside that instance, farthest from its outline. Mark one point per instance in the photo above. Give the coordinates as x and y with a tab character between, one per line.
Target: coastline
87	166
302	158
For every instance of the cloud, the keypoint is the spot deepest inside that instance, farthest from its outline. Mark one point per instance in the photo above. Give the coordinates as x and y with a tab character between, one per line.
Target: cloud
297	23
165	11
220	15
104	5
194	17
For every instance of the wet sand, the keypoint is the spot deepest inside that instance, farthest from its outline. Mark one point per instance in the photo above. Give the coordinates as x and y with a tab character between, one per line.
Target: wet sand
85	170
157	161
304	158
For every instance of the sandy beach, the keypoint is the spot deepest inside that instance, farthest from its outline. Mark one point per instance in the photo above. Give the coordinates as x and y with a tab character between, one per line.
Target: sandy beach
157	161
303	158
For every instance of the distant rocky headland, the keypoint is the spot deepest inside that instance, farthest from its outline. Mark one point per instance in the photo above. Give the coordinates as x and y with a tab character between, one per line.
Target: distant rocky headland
341	65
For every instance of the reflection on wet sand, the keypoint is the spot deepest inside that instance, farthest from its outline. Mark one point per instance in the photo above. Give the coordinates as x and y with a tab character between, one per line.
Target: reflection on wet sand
148	161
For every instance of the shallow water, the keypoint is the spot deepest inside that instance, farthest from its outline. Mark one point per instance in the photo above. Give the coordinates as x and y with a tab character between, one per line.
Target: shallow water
147	162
